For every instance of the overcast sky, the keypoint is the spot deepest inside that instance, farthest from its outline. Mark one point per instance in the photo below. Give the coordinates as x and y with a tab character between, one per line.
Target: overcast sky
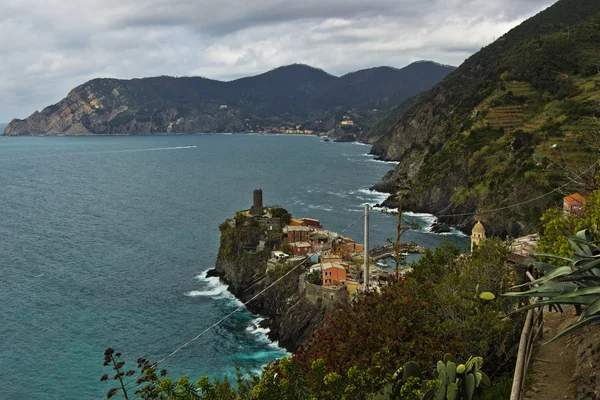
48	47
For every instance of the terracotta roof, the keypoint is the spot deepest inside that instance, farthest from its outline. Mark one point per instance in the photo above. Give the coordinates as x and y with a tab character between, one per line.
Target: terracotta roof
292	228
328	265
574	198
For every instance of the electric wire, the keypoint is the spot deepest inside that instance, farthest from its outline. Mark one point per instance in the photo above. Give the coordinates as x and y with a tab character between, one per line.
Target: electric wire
238	309
520	203
308	256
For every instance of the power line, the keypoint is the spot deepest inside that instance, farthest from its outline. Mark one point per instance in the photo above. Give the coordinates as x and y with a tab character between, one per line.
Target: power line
521	203
241	307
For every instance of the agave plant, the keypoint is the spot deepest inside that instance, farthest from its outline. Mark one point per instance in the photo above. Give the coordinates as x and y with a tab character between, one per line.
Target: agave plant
451	381
577	283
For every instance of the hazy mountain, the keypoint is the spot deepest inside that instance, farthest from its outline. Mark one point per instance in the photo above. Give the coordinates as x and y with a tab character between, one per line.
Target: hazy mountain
290	95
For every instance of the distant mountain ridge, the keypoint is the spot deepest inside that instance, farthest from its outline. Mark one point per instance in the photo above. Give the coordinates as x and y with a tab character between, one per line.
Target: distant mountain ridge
291	95
505	127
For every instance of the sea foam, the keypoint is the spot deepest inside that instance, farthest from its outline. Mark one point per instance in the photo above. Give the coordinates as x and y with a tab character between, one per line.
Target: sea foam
212	287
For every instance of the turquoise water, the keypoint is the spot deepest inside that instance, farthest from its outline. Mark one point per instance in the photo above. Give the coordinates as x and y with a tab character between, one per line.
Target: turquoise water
104	242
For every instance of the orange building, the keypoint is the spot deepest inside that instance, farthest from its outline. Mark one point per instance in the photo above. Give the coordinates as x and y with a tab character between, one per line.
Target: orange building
334	274
573	204
353	246
297	233
311	222
301	248
296	222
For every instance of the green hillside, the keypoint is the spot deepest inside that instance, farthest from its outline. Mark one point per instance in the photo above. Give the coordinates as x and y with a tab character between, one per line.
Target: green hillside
287	96
510	124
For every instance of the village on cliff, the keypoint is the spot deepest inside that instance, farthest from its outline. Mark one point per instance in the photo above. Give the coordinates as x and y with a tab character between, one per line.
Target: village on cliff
335	267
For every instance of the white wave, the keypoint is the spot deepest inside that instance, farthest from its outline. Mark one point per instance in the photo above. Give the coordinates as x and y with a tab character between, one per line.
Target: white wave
373	197
139	150
216	292
338	194
385	209
385	162
372	158
354	210
428	219
318	207
454	232
255	329
361	144
213	288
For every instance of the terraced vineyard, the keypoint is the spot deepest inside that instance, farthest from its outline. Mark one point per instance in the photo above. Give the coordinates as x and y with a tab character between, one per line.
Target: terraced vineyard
508	117
523	89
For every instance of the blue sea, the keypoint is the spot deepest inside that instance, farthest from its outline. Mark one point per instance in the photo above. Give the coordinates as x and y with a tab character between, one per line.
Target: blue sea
105	241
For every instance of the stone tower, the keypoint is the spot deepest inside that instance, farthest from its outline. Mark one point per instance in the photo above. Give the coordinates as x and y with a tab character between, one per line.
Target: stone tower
257	206
477	235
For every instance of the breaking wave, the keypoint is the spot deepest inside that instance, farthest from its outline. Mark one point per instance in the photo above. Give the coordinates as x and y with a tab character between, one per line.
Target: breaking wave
211	287
427	219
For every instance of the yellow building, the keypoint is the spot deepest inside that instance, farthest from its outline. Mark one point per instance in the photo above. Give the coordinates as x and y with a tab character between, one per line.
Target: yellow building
477	235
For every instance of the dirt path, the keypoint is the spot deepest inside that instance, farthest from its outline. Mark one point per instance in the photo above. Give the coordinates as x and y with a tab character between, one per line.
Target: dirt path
553	365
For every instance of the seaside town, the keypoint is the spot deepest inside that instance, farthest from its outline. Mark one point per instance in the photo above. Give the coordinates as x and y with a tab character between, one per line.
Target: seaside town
335	268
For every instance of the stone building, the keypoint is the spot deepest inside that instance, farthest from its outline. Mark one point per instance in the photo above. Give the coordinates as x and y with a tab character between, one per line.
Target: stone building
257	206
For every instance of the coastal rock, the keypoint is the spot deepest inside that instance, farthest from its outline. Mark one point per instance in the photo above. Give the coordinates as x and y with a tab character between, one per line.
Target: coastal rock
290	315
440	227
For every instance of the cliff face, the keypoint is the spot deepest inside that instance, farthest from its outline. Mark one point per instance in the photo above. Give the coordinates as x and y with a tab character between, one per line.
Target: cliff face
482	139
291	95
109	106
291	315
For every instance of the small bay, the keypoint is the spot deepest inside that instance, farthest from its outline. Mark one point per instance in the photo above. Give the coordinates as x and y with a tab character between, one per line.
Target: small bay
104	241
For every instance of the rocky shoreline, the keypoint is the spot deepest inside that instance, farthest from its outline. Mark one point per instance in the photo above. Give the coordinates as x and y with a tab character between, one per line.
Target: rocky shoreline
289	314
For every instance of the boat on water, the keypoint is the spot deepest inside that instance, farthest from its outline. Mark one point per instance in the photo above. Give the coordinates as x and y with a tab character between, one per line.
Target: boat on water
381	264
325	139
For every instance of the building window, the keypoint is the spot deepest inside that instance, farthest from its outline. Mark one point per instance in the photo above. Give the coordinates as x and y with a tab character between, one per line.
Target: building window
327	280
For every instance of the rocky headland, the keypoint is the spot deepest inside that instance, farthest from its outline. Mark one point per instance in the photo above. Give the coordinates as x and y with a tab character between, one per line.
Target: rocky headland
243	263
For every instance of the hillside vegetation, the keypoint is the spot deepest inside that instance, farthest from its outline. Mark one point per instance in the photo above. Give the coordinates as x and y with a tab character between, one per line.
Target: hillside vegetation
356	353
510	124
287	96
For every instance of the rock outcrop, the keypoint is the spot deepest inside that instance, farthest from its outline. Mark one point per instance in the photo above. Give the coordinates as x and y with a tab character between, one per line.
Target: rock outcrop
290	313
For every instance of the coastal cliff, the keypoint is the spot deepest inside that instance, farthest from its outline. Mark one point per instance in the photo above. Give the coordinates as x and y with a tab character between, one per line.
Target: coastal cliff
243	263
507	129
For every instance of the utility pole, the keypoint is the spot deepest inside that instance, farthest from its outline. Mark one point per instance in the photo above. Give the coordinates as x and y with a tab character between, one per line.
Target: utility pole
366	246
399	232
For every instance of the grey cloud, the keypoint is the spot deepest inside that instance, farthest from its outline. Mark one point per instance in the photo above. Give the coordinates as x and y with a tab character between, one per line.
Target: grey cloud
47	48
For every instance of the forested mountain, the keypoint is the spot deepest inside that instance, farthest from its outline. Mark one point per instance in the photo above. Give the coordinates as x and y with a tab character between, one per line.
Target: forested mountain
291	95
513	122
